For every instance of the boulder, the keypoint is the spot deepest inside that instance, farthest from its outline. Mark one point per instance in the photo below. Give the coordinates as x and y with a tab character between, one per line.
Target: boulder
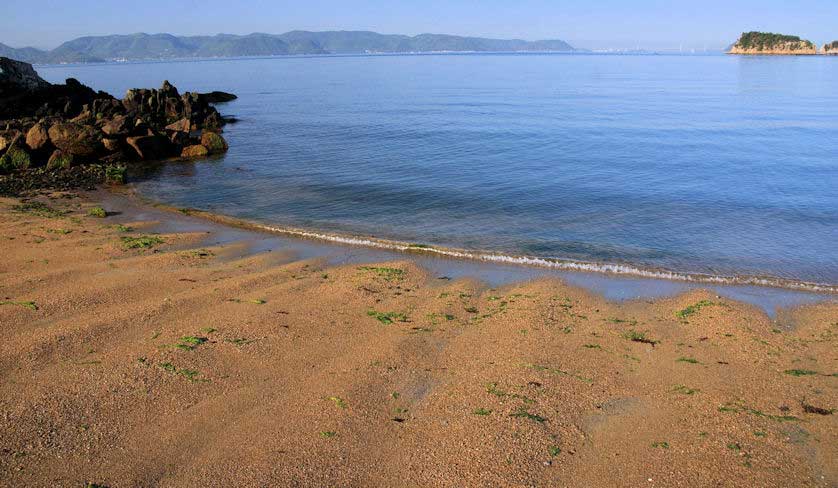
75	139
152	147
120	125
16	158
60	160
38	137
182	125
196	151
213	142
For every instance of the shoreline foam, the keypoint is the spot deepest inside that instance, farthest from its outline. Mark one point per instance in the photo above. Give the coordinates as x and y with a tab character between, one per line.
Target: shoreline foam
606	268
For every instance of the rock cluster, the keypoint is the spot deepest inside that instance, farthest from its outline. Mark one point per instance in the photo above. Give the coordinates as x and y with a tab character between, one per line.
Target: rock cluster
62	126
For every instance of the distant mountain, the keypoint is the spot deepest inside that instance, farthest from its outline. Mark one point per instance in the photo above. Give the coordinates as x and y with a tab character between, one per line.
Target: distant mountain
26	54
166	46
354	42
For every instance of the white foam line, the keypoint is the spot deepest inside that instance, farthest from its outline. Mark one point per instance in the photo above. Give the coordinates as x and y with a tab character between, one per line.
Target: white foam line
606	268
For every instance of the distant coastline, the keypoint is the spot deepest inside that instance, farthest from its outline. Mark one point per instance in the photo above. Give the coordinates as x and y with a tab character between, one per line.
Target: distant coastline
143	47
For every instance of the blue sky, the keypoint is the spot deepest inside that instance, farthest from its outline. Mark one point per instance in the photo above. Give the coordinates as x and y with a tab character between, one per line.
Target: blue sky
601	23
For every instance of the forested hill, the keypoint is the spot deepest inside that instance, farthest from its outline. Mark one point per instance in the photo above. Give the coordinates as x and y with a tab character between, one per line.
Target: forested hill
168	46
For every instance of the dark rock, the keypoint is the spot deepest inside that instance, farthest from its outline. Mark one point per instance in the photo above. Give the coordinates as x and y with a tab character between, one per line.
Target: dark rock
141	128
17	77
152	147
219	97
179	138
168	90
75	139
23	93
213	121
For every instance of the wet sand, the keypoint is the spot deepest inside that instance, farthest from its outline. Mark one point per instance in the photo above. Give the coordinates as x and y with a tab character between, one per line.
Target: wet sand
197	361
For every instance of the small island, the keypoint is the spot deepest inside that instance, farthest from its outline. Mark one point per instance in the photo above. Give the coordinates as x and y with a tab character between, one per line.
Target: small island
831	48
766	43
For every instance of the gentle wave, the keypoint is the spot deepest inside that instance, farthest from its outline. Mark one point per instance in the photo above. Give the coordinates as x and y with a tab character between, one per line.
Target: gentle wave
541	262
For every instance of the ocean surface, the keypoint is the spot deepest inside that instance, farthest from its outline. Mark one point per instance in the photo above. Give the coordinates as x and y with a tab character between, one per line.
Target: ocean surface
725	167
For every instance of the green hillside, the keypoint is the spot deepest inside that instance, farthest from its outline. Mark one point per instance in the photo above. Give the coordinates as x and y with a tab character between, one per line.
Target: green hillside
167	46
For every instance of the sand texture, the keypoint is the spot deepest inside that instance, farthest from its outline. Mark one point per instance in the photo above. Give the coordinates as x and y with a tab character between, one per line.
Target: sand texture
129	362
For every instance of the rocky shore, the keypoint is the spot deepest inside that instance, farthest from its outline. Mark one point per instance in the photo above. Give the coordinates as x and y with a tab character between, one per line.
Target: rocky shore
67	136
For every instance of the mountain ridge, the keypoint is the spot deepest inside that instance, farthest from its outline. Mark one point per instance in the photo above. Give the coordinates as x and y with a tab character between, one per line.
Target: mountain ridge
143	46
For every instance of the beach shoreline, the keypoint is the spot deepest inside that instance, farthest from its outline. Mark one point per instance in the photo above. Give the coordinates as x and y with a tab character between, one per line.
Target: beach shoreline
489	257
146	350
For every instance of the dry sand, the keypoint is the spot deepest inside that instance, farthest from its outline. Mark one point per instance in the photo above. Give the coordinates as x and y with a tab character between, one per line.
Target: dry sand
182	365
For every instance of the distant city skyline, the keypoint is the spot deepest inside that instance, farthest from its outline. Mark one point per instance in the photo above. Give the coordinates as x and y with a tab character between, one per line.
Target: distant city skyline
608	24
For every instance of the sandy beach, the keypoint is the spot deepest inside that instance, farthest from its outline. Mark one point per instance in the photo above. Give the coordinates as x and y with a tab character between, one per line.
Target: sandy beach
131	358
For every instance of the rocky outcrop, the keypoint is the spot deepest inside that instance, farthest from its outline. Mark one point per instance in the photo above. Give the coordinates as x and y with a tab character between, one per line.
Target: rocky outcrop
25	94
16	76
64	126
192	111
831	48
763	43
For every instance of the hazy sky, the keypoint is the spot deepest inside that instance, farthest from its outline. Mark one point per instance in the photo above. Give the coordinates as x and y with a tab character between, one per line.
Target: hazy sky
589	23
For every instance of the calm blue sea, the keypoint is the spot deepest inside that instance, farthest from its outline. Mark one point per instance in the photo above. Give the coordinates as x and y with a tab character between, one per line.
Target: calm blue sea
702	164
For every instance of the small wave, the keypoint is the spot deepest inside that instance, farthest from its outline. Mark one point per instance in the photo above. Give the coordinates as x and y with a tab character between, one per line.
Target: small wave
493	257
553	263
